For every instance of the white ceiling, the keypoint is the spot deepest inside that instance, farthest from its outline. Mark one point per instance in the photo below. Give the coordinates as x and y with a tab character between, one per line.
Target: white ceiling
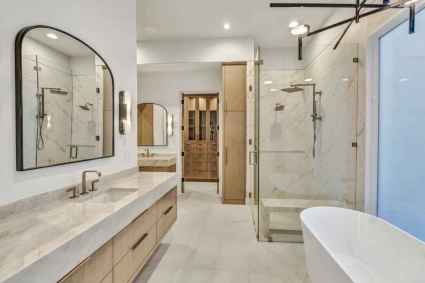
180	19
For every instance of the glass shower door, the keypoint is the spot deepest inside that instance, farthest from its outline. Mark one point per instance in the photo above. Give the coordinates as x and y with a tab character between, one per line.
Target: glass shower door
306	159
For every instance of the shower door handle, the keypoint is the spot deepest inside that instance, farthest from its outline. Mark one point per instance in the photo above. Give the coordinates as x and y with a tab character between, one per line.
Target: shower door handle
252	157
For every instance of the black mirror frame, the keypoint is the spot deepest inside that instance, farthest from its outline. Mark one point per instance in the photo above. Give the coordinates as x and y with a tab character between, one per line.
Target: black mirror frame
166	124
18	99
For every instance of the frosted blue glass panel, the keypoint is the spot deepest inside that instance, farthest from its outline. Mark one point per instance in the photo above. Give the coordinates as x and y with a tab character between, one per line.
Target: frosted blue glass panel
401	180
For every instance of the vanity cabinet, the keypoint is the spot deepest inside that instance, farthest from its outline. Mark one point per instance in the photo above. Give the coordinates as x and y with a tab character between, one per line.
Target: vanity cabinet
123	257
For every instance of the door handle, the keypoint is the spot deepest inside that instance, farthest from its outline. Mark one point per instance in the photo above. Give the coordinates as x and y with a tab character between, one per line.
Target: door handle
225	156
253	157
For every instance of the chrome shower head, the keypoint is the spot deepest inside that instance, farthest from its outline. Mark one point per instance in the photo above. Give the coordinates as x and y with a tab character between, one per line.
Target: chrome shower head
292	89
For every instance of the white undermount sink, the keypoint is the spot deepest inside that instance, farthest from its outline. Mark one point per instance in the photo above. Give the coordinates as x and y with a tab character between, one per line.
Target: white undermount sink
112	195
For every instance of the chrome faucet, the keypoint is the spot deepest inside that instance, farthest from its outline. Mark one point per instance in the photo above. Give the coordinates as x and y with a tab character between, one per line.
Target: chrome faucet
84	181
148	153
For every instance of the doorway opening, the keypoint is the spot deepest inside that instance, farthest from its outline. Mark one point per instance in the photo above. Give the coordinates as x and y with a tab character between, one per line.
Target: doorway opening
200	128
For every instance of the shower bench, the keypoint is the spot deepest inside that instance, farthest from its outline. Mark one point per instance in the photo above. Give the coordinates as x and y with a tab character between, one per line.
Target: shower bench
295	206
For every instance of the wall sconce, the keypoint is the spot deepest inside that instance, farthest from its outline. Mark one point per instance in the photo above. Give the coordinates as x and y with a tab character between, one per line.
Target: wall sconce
170	125
124	112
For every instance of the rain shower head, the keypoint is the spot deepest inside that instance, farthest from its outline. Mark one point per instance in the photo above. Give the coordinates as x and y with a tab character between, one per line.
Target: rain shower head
292	89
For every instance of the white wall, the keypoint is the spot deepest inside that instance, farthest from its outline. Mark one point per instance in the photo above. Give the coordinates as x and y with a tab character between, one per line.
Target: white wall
166	87
109	27
281	58
200	50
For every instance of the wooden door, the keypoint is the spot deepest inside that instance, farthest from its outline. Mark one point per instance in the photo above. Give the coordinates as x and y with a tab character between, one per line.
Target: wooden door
145	124
200	137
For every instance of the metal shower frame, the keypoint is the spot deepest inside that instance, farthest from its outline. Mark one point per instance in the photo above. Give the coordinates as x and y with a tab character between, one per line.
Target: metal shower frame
358	6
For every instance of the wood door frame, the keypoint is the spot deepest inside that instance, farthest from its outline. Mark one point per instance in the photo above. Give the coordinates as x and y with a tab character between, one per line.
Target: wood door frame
182	117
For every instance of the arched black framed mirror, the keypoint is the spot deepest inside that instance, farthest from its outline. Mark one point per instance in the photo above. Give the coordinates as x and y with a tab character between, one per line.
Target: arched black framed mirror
152	123
64	100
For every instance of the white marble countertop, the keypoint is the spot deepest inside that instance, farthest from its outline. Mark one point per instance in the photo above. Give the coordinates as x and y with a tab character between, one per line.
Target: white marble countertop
43	244
158	160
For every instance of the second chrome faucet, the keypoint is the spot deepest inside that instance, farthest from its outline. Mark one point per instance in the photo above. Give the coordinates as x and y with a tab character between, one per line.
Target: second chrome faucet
84	180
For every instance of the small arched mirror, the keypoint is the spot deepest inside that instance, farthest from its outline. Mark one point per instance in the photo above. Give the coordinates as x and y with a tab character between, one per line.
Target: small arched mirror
152	125
64	100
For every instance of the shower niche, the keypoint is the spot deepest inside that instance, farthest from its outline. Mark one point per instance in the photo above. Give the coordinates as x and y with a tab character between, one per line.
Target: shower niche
64	100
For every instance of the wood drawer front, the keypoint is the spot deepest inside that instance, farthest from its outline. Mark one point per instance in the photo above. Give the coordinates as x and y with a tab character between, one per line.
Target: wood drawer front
99	264
123	270
108	278
143	247
166	220
93	269
167	201
124	241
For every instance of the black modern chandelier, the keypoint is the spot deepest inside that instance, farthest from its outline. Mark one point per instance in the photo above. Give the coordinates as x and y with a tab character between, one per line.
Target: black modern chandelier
358	14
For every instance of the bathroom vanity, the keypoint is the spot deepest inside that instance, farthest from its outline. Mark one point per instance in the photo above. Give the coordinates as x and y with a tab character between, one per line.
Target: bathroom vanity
156	162
102	237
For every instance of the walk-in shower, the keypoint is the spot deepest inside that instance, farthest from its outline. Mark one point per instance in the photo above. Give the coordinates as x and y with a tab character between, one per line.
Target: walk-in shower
315	116
297	168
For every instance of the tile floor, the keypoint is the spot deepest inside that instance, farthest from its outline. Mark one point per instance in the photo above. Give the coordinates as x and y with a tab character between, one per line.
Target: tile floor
216	243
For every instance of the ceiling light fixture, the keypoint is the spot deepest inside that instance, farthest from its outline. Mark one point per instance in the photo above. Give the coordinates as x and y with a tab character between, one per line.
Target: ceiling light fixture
226	26
293	24
300	30
308	80
273	90
357	6
268	82
51	35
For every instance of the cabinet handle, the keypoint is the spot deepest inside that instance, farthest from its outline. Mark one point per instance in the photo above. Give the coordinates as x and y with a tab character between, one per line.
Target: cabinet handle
168	210
139	241
225	156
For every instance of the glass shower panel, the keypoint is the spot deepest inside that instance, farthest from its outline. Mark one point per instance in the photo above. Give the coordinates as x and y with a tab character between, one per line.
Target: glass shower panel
54	130
401	180
291	178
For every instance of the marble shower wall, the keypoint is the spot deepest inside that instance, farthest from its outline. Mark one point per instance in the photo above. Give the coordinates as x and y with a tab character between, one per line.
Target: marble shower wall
54	71
334	174
284	140
287	167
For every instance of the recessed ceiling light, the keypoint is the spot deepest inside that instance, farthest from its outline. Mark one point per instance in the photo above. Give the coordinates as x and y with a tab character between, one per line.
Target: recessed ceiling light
273	90
226	26
345	79
51	35
308	80
293	24
402	80
268	82
299	30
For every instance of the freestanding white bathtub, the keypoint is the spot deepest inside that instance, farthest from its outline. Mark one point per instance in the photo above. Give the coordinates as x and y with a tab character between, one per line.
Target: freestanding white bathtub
347	246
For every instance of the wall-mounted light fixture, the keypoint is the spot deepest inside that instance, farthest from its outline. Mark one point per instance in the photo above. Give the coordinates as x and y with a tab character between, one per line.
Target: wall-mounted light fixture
170	125
124	112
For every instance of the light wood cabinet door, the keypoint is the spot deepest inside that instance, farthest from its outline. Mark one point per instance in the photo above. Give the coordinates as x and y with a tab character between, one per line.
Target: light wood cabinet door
124	269
234	157
99	264
94	269
108	278
234	80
